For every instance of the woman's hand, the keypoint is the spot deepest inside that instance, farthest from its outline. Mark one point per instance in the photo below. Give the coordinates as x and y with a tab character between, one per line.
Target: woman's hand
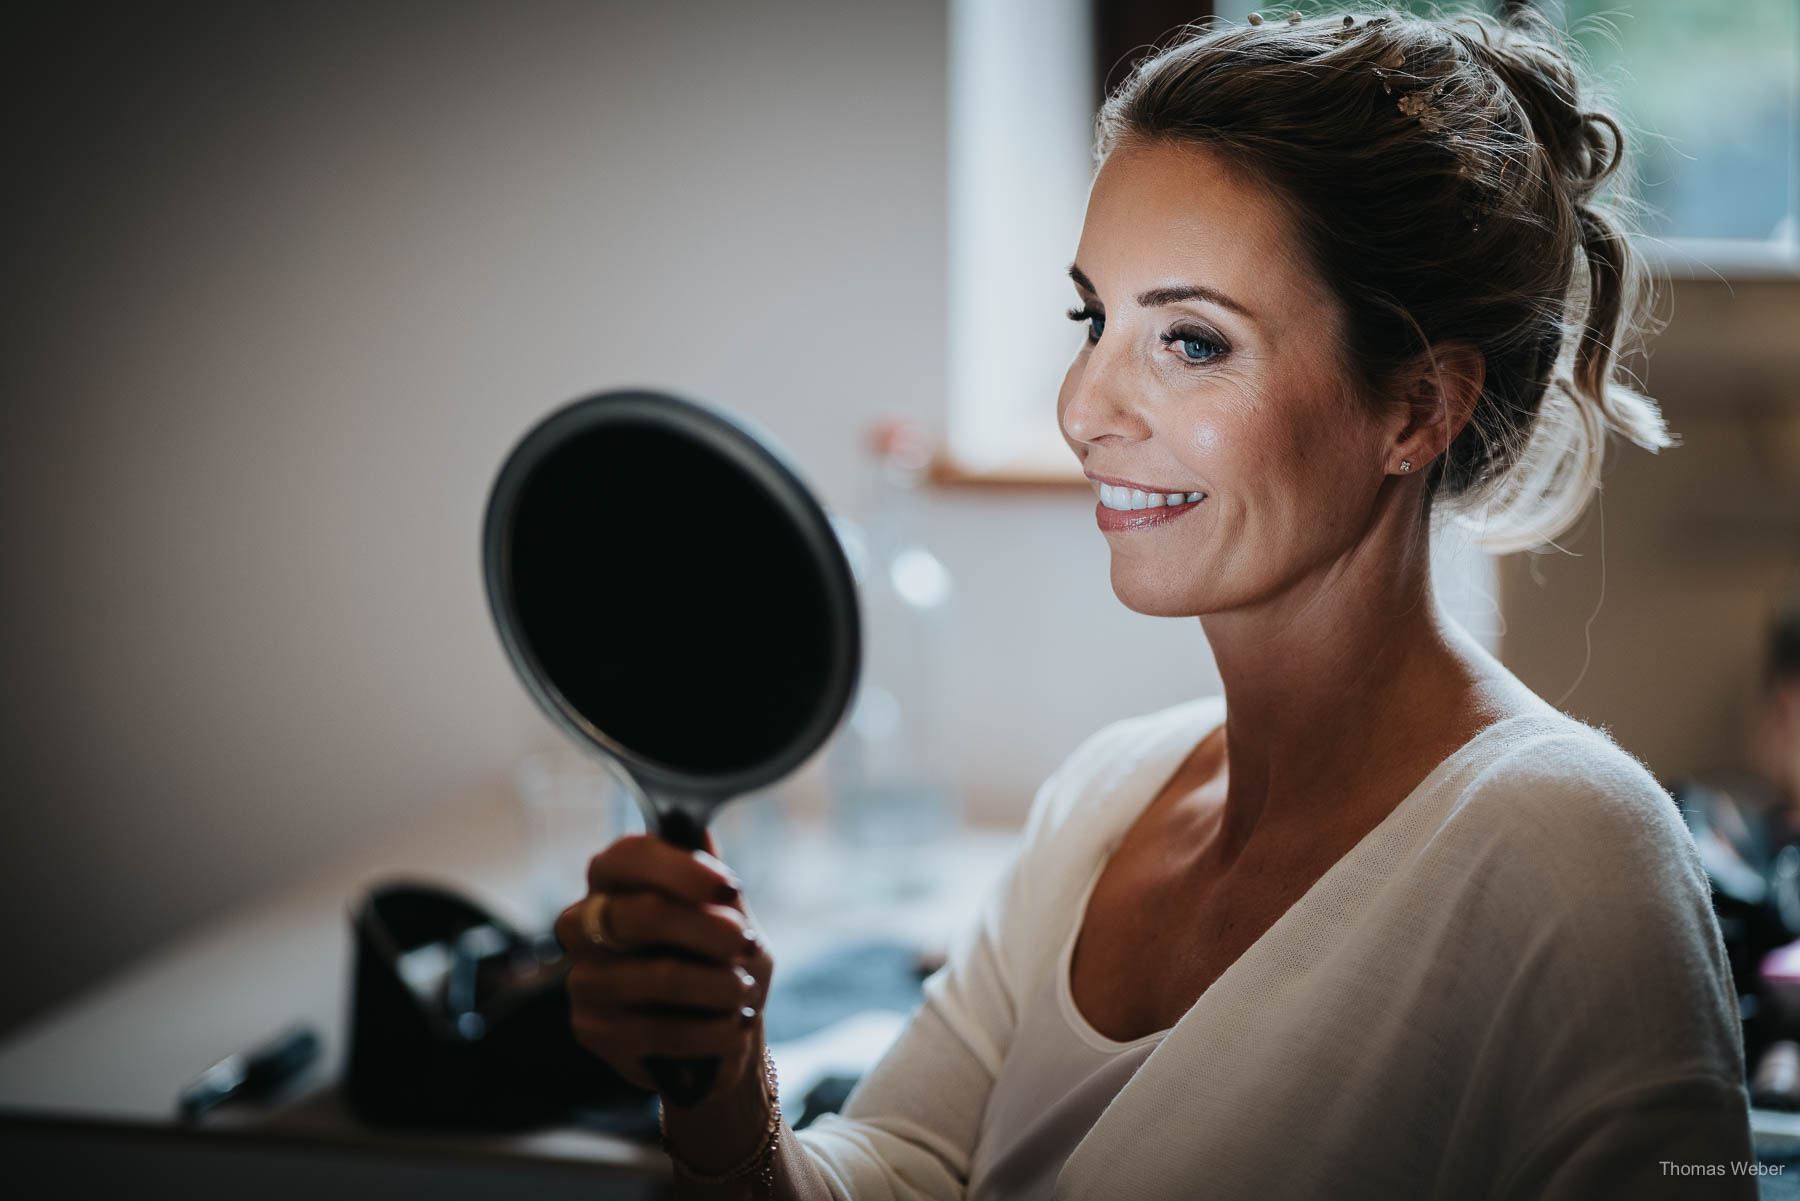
694	965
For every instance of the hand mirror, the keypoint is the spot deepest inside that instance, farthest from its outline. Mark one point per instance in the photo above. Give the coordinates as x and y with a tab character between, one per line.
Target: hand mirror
676	600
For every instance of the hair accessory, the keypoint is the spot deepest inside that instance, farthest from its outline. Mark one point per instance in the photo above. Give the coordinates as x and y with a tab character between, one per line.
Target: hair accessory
1387	62
1254	18
1417	103
1293	18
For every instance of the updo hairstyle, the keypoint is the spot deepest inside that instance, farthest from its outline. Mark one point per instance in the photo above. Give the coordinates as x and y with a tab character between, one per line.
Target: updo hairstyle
1444	177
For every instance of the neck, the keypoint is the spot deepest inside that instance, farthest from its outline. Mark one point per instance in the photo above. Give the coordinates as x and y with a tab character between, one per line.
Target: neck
1335	692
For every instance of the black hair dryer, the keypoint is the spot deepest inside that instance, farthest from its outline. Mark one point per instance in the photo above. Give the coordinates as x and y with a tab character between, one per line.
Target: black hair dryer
676	600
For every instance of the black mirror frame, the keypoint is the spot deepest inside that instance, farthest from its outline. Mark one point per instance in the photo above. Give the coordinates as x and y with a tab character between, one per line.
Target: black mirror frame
758	454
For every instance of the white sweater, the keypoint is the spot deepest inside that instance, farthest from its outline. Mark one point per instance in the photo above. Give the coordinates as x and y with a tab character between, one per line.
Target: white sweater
1512	987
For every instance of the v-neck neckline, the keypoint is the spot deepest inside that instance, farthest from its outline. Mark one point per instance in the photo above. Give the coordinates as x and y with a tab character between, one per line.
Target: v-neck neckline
1150	770
1155	767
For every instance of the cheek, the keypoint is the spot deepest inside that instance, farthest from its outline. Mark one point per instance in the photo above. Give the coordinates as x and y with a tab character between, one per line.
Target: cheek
1229	440
1266	452
1207	440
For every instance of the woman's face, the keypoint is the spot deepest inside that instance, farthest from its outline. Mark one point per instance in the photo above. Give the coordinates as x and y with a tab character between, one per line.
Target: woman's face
1210	366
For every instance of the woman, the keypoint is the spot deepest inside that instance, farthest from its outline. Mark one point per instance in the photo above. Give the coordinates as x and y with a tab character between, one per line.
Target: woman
1377	921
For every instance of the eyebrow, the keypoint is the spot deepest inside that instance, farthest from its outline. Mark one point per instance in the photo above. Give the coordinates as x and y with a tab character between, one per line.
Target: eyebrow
1162	296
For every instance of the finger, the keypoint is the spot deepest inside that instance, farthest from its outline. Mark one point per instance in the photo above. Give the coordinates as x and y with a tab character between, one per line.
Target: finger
647	921
629	1035
756	955
761	966
621	984
571	932
646	861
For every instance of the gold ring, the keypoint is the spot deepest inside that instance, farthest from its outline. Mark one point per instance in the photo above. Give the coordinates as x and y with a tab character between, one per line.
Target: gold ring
593	922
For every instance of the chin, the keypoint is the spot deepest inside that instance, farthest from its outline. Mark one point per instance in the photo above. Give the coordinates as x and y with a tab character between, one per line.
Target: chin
1156	597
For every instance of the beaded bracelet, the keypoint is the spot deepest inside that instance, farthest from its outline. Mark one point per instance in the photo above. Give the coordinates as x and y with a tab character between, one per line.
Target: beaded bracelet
763	1157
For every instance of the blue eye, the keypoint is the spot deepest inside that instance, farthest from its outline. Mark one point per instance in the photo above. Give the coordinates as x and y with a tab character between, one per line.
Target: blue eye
1096	321
1196	347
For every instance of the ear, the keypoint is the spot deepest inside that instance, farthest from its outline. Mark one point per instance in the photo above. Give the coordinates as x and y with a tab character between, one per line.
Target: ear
1438	391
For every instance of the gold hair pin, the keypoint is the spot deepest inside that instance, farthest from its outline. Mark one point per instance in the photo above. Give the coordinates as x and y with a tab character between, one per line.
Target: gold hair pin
1416	103
1388	62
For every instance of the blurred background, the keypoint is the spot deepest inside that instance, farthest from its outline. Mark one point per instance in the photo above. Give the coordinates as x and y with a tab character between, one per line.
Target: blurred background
286	281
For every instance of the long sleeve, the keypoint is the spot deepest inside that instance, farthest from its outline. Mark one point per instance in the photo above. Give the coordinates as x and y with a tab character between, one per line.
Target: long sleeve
907	1131
1634	1080
1685	1139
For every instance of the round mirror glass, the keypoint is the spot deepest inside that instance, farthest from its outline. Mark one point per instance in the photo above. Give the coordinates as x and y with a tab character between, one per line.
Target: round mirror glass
672	595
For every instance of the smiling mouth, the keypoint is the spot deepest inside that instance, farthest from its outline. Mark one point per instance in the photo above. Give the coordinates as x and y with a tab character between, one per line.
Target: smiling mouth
1112	496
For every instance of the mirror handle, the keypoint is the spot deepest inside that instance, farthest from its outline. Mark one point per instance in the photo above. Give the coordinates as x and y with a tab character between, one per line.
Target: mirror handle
682	1081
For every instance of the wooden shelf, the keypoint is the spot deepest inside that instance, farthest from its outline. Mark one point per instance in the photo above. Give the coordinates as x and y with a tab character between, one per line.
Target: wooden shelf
946	471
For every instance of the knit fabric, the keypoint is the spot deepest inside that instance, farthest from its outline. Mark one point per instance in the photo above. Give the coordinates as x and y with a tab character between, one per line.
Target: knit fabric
1512	987
1045	1101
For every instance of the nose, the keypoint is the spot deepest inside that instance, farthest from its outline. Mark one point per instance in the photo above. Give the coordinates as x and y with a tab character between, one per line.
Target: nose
1099	400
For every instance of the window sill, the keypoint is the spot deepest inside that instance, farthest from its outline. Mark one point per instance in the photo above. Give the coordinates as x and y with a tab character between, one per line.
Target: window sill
948	471
1720	258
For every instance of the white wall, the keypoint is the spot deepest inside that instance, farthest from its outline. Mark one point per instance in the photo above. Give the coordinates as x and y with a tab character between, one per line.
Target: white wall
285	283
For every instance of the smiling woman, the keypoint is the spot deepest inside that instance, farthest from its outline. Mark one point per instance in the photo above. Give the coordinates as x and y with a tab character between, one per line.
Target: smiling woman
1377	921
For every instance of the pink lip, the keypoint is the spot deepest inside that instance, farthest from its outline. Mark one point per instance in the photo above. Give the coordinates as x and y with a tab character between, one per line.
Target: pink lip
1112	520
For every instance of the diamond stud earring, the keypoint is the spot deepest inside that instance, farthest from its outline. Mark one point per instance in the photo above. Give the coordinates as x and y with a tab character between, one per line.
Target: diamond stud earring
1406	464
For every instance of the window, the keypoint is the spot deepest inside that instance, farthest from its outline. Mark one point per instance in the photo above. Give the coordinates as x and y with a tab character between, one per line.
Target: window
1021	118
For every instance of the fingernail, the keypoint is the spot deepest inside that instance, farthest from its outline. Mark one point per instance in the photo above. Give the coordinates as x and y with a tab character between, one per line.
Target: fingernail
751	940
717	864
745	978
746	1015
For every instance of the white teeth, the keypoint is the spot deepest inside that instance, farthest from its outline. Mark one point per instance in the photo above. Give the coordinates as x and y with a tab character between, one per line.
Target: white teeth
1115	497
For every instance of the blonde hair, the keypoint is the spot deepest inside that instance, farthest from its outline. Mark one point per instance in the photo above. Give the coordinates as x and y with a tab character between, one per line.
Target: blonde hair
1481	223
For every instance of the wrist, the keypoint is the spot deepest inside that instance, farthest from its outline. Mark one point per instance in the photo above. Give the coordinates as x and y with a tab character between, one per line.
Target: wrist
728	1126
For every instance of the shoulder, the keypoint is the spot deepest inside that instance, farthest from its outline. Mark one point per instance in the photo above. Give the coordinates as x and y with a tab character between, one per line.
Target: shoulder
1584	876
1584	825
1585	894
1571	791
